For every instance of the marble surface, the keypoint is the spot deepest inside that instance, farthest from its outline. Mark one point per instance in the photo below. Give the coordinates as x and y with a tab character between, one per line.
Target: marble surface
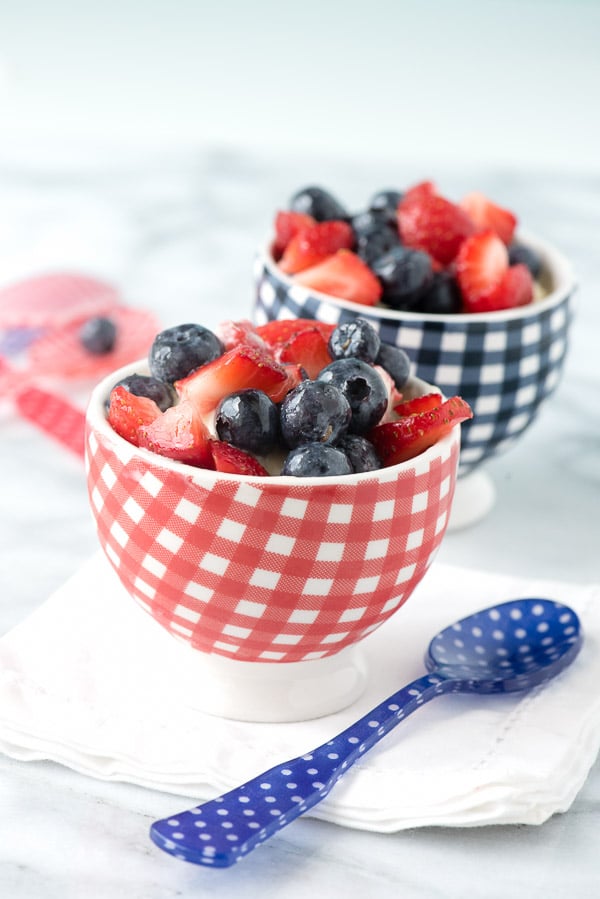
177	233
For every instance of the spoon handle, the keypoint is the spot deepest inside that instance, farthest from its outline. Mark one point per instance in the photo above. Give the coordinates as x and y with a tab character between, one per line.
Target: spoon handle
224	830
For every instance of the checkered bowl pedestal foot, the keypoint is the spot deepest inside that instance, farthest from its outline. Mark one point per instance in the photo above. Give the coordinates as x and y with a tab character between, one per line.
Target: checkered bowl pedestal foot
272	572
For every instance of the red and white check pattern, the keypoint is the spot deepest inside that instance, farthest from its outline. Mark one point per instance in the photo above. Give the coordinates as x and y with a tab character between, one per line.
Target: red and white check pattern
260	570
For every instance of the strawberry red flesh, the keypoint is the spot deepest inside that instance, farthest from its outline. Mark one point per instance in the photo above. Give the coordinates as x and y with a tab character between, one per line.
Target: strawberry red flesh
486	215
128	413
287	225
514	289
231	459
398	441
244	366
312	245
343	275
433	224
180	434
307	349
419	404
480	266
278	332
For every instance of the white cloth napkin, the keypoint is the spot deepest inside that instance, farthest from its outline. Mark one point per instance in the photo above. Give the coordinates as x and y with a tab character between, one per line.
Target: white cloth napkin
92	682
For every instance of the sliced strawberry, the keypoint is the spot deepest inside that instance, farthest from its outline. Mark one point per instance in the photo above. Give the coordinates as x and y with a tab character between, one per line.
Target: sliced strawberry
239	368
231	459
515	289
312	245
276	333
419	404
481	264
287	225
422	189
487	215
180	434
343	275
431	223
128	413
307	349
398	441
233	333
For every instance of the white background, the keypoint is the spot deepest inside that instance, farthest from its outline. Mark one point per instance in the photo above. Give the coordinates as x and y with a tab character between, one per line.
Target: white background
495	83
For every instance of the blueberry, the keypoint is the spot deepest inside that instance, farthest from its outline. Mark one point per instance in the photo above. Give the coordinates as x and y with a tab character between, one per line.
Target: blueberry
519	253
356	339
405	275
376	241
386	201
396	363
179	351
249	419
98	335
362	386
316	460
314	412
368	220
360	452
443	296
319	203
142	385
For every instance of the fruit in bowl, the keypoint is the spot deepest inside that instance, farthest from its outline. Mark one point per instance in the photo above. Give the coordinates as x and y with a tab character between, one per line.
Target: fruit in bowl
272	580
413	250
503	362
289	398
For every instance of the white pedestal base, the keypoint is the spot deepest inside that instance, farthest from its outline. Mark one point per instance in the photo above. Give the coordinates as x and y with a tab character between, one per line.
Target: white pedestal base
474	498
274	691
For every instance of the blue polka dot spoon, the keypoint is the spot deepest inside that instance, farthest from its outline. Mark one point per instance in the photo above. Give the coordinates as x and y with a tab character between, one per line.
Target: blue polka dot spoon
510	647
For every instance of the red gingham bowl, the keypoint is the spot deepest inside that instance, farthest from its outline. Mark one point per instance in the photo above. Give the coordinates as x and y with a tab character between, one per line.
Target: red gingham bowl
277	569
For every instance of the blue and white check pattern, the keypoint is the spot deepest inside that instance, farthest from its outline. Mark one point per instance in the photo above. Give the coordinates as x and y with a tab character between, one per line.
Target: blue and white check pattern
503	367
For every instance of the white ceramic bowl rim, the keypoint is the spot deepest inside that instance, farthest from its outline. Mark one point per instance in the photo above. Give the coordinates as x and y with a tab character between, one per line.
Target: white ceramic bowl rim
554	262
96	416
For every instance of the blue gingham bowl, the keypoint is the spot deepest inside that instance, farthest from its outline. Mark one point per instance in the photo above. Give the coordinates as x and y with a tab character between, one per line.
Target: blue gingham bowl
504	364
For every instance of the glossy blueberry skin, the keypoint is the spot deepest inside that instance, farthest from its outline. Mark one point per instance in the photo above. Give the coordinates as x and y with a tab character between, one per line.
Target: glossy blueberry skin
356	339
443	296
98	335
314	412
396	363
370	219
518	253
386	201
364	389
360	452
177	352
248	419
144	385
316	460
405	275
374	242
319	203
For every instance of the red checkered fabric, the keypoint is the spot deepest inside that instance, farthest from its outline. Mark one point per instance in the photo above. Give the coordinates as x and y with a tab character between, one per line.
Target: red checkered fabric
54	299
261	570
55	415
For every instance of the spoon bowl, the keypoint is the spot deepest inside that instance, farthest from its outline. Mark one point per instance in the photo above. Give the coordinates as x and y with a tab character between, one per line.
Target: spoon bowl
510	647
